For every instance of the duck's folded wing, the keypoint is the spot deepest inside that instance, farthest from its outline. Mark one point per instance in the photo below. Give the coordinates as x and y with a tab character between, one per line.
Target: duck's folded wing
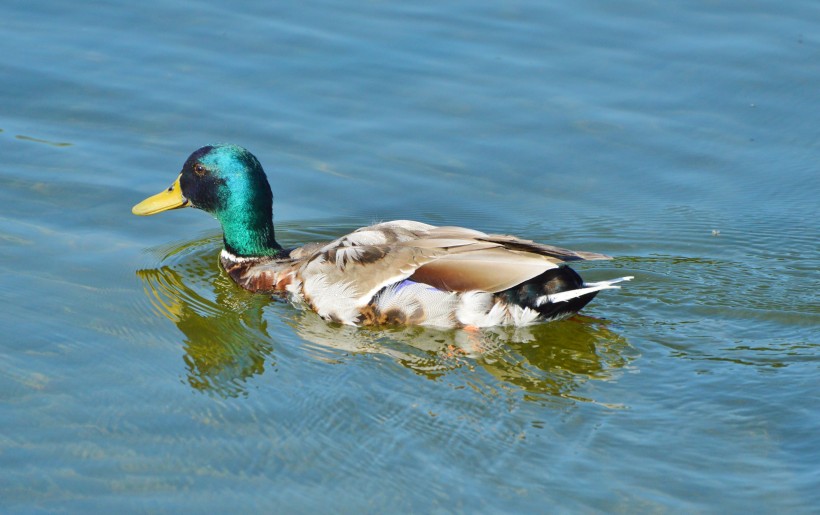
488	262
341	277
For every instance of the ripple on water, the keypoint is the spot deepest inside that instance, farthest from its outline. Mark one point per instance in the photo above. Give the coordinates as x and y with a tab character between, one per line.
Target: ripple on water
718	295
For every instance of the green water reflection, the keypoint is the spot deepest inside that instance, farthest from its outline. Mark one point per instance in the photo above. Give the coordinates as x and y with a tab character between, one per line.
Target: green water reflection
226	339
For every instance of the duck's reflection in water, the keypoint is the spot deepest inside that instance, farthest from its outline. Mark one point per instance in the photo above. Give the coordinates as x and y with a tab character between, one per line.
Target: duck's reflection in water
550	360
226	340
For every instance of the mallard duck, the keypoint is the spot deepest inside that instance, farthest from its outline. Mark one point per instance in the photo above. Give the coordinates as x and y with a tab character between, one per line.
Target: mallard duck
399	272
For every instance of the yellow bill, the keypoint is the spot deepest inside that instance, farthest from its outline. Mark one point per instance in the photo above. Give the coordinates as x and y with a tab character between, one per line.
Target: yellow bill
169	199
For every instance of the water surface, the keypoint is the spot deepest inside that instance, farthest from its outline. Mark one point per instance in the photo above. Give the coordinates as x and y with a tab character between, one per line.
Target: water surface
682	139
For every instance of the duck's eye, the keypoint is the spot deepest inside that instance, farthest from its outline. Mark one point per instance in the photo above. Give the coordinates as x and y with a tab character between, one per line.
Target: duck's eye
199	170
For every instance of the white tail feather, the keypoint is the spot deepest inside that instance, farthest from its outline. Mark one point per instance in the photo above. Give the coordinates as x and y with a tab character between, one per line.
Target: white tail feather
588	288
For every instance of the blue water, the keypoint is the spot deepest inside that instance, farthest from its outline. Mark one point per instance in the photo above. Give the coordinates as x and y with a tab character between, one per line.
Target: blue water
680	138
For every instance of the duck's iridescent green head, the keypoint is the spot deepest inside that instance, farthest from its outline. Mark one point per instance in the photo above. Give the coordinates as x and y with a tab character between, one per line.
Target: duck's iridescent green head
228	182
